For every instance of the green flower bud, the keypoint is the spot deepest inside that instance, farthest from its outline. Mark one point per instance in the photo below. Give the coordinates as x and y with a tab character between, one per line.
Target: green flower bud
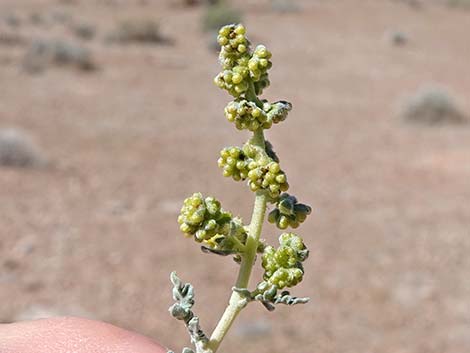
240	29
274	168
273	216
282	221
225	31
222	40
262	52
241	48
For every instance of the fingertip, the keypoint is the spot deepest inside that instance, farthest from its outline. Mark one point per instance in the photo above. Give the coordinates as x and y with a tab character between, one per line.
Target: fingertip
72	334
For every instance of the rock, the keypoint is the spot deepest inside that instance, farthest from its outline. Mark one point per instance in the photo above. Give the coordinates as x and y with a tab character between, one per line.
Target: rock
18	150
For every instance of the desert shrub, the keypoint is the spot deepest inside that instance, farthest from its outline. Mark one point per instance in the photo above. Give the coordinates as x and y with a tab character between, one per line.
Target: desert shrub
218	15
415	4
9	38
12	20
396	38
138	31
46	53
433	106
18	150
84	30
459	3
190	2
37	19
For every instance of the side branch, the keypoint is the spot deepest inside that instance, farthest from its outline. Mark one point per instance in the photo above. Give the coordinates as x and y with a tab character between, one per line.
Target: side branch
183	294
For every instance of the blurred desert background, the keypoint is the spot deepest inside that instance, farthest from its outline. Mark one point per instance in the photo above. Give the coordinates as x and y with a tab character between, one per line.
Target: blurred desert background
109	118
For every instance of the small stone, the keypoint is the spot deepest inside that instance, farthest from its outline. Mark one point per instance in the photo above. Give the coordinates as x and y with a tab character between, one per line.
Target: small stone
17	149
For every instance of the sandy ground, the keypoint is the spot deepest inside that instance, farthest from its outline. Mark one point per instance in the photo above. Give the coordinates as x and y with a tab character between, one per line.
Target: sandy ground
95	234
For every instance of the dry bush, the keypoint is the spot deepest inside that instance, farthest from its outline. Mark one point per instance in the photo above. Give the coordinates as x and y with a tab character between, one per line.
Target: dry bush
459	3
12	20
18	150
84	30
9	38
46	53
219	15
38	19
139	30
397	38
190	2
432	106
415	4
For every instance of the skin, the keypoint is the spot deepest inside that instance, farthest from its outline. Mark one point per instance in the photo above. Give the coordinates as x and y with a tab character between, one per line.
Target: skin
72	335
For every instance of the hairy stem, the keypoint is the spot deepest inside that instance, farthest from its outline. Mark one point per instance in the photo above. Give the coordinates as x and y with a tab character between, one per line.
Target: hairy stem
237	302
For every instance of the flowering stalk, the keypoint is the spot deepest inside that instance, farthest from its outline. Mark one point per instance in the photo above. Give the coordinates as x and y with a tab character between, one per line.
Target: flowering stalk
244	75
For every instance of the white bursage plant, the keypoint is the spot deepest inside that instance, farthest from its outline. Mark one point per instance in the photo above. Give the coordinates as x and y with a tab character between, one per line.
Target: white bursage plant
244	75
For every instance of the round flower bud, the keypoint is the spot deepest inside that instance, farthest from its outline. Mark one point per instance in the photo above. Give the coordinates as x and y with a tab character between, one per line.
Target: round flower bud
262	52
240	29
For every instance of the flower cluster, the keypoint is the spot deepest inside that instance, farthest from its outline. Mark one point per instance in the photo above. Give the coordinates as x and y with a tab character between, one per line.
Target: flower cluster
234	57
204	219
283	266
255	165
234	163
241	67
288	212
247	115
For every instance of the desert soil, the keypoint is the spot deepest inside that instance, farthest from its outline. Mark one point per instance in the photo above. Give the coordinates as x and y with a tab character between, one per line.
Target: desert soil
94	232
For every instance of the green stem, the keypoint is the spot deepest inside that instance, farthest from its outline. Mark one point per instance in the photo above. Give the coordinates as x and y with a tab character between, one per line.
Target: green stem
251	96
237	302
